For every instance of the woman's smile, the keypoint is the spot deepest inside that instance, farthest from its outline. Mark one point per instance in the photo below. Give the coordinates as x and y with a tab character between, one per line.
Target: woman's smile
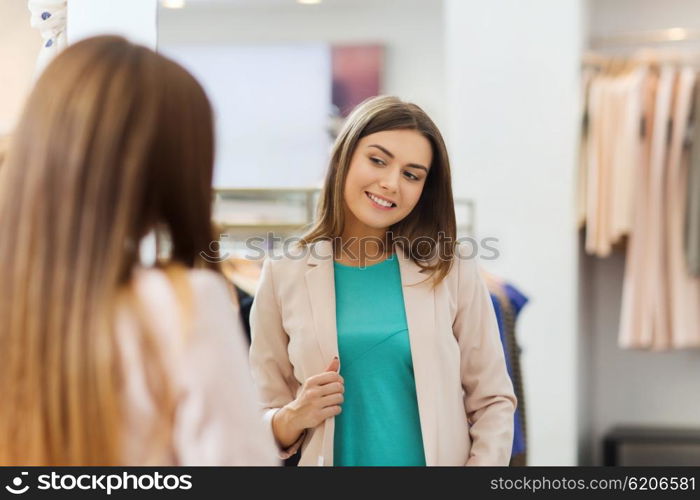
379	202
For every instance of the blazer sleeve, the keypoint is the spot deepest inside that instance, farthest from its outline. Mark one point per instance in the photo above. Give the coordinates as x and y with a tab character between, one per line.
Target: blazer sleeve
218	421
489	398
272	371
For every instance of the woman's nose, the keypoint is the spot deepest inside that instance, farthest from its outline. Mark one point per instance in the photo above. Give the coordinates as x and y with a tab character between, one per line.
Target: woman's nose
390	180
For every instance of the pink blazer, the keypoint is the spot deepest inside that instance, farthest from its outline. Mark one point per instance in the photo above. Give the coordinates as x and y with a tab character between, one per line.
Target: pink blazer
465	397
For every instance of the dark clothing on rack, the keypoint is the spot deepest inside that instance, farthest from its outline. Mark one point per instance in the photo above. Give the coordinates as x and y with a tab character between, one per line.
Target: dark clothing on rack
507	306
516	302
245	302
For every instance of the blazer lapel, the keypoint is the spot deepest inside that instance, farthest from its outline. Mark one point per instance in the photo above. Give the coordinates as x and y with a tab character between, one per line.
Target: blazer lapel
419	302
320	285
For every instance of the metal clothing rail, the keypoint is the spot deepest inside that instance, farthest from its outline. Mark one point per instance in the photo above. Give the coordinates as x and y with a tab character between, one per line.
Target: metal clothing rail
645	57
645	37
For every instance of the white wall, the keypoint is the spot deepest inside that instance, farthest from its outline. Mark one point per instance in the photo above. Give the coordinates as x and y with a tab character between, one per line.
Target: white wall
272	123
411	30
633	387
19	49
512	88
133	19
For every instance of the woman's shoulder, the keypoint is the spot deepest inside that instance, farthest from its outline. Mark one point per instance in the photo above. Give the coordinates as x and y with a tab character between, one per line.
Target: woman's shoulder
164	281
177	299
465	265
191	315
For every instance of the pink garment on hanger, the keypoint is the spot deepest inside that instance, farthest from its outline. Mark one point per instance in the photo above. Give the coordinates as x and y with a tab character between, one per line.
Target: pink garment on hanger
683	288
601	128
635	324
611	157
657	300
626	153
593	157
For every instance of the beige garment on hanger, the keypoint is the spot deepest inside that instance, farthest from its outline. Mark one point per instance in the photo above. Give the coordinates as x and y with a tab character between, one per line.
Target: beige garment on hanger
612	157
609	118
683	288
634	330
642	323
626	152
593	159
657	300
599	112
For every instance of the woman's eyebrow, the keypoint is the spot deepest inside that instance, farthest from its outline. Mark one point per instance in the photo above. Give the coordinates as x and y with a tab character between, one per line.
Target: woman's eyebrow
390	155
386	151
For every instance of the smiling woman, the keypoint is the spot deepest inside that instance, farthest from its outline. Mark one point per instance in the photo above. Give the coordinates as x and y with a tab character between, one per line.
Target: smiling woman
373	349
386	151
382	187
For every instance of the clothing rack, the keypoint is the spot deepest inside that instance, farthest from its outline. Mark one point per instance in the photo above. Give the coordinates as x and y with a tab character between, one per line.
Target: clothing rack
642	56
676	34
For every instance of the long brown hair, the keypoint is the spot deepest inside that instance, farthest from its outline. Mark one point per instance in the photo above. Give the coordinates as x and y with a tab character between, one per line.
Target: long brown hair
3	148
431	222
115	141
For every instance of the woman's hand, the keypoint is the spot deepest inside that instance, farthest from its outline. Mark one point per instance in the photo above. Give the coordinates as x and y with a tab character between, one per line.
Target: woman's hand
320	398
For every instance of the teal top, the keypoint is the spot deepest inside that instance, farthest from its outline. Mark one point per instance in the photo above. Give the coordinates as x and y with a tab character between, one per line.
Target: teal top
379	423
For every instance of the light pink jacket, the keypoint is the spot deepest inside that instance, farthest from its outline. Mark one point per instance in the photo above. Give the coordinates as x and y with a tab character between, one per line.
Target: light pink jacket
465	397
217	419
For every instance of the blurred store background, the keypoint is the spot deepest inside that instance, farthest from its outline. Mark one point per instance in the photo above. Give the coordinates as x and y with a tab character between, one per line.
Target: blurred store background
571	130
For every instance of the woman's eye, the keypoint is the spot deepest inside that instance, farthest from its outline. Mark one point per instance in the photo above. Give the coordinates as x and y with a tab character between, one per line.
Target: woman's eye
376	160
411	176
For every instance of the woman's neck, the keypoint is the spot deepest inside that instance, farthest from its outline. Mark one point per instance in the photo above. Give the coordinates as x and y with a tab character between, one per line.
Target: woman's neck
362	246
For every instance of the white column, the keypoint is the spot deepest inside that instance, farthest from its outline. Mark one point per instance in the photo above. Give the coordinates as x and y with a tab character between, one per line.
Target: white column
133	19
512	78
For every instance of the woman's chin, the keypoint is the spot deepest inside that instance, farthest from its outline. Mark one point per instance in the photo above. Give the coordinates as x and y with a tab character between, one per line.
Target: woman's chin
376	222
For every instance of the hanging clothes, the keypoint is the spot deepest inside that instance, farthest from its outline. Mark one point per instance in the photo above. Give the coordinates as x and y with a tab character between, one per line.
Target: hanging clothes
692	216
635	330
612	151
516	301
594	158
683	288
657	294
245	303
645	320
636	183
508	301
626	152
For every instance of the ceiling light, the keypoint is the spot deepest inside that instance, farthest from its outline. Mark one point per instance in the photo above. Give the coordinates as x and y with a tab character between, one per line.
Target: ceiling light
173	4
677	34
309	2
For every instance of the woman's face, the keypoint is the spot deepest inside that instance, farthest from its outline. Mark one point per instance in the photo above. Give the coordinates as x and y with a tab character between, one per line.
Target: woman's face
386	177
